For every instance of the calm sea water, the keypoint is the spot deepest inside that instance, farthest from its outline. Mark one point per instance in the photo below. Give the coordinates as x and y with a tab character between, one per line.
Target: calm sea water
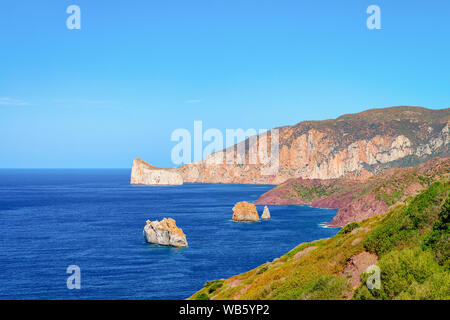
50	219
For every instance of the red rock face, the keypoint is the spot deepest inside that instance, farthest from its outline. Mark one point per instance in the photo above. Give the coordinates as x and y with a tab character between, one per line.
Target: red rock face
358	210
357	265
357	200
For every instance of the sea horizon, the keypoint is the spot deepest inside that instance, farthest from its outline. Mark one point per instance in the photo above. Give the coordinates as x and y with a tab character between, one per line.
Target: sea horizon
94	219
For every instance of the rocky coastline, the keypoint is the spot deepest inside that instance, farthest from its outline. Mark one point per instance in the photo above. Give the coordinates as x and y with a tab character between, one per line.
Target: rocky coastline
356	146
357	200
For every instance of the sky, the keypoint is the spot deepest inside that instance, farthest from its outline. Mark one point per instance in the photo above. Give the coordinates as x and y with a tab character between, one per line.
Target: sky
117	88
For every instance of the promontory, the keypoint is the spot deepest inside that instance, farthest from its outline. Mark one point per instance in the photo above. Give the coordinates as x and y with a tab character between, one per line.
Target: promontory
354	145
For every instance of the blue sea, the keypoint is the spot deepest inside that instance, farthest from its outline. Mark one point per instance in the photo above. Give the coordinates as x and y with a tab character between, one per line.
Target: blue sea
50	219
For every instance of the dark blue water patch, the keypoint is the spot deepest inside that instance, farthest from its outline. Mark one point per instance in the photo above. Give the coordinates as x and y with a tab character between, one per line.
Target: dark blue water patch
50	219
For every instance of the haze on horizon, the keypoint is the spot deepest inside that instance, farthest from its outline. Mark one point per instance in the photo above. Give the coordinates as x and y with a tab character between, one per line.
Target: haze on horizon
137	70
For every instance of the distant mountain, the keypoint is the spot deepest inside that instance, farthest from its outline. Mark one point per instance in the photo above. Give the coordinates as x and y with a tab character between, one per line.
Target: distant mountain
357	145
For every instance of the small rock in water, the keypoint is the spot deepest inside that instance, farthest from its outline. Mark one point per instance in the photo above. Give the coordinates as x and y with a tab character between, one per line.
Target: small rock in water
244	211
266	214
164	232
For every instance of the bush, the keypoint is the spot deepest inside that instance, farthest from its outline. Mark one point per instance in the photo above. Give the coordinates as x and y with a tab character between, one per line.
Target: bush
213	285
439	239
349	227
404	222
437	287
395	230
202	296
262	270
419	209
408	274
401	269
363	293
329	287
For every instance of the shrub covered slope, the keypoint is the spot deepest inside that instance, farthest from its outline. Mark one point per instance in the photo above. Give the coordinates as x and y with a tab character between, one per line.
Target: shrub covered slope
409	243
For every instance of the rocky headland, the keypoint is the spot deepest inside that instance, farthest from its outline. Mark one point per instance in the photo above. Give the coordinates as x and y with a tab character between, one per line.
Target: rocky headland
146	174
164	232
354	145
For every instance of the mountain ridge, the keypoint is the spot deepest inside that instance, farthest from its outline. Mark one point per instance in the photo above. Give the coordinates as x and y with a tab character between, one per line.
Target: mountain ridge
360	144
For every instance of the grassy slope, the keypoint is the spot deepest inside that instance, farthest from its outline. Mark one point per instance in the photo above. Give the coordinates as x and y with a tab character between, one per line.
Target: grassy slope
411	241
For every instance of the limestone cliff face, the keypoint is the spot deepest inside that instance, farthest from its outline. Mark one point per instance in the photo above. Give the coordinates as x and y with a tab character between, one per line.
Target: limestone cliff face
356	144
143	173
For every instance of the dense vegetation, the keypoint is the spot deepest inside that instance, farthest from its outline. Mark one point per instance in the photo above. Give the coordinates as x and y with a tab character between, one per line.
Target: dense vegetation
349	227
309	194
413	246
411	242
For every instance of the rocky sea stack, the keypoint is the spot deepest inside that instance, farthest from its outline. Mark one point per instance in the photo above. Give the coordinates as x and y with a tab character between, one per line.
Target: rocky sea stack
165	232
244	211
266	214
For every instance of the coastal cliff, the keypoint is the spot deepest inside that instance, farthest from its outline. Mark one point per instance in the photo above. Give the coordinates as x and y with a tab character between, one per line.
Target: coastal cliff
354	145
357	200
144	173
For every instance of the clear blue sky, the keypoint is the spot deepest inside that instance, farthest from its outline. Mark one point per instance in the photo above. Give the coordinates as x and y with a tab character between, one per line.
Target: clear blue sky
137	70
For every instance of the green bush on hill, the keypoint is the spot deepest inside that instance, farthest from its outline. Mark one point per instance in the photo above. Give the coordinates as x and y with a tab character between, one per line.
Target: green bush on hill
413	244
329	287
349	227
213	285
202	296
411	241
404	222
408	274
439	239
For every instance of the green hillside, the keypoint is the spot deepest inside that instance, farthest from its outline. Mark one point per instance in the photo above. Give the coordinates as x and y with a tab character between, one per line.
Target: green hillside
409	243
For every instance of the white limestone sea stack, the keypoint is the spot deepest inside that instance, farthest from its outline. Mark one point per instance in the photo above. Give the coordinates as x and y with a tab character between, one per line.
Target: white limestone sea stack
146	174
164	232
266	214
